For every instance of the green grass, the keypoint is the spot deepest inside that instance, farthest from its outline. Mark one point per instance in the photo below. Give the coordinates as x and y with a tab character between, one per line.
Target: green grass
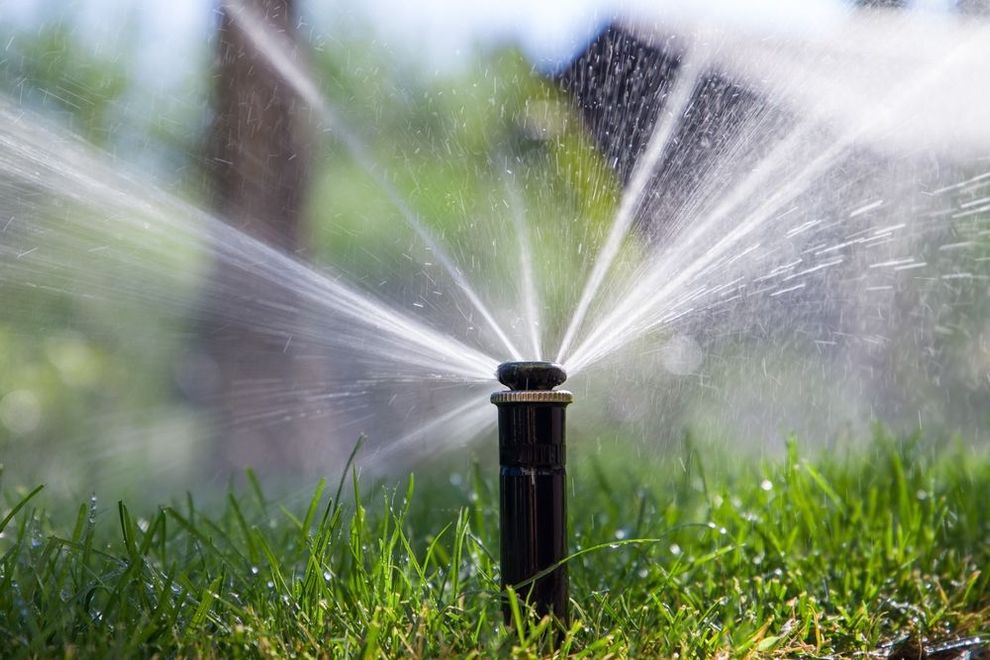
692	556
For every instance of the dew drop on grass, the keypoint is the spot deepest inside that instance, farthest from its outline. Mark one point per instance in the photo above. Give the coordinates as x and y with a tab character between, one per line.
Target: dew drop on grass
254	570
327	575
766	485
675	549
621	534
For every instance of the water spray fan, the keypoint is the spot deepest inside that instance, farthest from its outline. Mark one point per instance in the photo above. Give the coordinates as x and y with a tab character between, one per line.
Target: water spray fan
532	485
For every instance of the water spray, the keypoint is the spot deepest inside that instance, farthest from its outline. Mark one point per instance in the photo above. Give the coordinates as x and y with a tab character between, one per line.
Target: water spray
532	485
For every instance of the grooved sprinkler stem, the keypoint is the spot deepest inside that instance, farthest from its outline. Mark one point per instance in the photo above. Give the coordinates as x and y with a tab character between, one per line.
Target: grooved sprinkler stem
532	484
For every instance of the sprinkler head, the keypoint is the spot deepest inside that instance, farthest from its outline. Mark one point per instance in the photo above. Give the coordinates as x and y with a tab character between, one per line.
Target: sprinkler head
533	487
530	376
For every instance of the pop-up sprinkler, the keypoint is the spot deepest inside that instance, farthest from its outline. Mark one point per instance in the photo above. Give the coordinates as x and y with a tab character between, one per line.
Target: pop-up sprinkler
532	482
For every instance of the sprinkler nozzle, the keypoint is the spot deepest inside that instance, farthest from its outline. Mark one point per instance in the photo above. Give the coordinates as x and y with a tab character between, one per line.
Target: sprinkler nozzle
529	376
532	485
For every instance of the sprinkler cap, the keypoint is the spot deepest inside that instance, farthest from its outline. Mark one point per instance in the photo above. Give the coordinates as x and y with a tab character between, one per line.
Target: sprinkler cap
529	376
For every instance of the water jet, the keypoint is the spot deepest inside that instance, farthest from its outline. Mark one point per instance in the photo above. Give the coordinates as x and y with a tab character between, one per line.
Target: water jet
532	485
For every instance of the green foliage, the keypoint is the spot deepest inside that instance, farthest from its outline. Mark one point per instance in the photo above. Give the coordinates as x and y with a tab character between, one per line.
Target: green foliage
77	350
71	352
51	70
452	147
794	558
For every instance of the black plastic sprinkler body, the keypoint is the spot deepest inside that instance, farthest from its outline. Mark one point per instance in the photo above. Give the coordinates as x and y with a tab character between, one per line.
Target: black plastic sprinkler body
532	484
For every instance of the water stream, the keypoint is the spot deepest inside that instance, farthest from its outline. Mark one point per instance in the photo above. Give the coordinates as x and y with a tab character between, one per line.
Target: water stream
820	260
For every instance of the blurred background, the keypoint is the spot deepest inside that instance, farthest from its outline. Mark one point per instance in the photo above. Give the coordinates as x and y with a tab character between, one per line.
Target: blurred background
142	395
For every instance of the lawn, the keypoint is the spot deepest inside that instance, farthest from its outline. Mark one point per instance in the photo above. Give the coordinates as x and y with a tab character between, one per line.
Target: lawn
696	554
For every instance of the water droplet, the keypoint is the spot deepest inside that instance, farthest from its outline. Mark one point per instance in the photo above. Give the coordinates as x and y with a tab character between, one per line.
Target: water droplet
327	575
621	534
766	485
675	549
254	570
